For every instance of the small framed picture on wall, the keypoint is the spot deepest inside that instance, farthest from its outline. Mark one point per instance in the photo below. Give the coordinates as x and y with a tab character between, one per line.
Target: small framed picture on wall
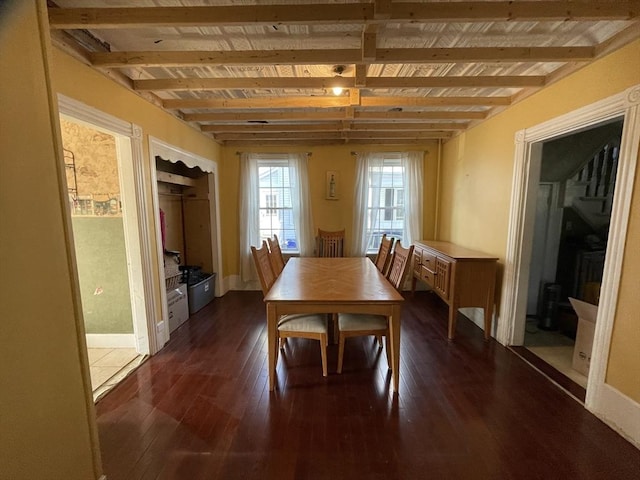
332	185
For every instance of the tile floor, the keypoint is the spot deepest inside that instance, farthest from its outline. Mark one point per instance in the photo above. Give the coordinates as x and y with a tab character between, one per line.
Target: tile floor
108	366
554	348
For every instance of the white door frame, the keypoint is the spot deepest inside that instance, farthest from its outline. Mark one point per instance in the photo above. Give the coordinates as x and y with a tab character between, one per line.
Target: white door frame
601	398
139	266
173	154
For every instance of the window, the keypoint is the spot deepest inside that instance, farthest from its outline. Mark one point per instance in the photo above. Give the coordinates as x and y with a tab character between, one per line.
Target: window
385	207
275	208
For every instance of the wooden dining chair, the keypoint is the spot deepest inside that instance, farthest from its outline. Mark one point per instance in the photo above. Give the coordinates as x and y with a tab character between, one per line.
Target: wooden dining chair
358	325
311	326
330	244
275	255
384	254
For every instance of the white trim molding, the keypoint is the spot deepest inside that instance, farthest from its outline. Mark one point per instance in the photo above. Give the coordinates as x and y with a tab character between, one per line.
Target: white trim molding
158	148
625	105
129	147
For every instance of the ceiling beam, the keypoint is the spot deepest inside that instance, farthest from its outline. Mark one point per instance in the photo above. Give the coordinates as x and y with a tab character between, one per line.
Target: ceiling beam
380	11
335	114
333	126
341	56
331	135
325	83
307	142
331	102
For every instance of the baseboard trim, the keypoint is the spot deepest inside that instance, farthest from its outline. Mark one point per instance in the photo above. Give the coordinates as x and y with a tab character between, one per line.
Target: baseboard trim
619	412
111	340
234	282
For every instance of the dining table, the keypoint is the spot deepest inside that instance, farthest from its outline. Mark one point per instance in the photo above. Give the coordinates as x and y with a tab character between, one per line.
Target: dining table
333	285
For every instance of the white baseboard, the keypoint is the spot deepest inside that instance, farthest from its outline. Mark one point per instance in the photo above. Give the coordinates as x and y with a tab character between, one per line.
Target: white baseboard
234	282
111	340
476	315
619	412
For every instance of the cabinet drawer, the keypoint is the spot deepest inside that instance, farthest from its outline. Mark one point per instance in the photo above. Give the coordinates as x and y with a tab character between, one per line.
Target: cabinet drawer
417	260
426	275
429	261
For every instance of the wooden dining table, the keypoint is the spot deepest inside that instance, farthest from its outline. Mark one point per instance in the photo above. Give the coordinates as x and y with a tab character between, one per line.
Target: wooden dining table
333	285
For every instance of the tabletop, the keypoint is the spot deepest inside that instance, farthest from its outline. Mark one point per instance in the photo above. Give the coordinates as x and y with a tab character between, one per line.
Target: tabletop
332	280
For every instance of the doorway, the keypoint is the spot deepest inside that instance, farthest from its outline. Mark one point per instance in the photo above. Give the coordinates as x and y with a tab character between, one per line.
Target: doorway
601	399
571	226
99	155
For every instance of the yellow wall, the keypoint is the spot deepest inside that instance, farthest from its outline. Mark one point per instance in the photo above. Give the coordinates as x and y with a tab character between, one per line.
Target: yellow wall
80	82
624	357
477	176
46	426
327	214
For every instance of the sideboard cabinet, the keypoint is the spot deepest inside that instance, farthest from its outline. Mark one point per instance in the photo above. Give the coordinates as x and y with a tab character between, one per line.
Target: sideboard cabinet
459	276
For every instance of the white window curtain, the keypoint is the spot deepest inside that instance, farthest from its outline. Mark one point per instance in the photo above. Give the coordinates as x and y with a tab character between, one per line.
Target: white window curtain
249	216
250	201
364	163
301	202
412	163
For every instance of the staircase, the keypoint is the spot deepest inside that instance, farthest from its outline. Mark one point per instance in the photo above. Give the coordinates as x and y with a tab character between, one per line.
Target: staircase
590	190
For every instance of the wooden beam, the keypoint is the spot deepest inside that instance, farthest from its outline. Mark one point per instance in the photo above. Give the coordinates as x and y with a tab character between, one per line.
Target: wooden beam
369	43
342	56
320	83
248	57
74	18
360	75
334	114
485	54
339	141
262	102
175	179
334	126
380	11
416	116
332	102
331	135
292	115
432	101
325	83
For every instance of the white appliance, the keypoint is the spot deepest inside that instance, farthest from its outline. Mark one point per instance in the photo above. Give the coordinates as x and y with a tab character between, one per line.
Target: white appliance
178	306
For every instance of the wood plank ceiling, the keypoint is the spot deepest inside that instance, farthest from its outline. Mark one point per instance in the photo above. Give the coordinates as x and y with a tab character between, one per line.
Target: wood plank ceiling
263	72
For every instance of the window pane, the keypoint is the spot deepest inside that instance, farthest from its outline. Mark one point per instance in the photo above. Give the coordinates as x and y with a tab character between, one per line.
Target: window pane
276	208
386	203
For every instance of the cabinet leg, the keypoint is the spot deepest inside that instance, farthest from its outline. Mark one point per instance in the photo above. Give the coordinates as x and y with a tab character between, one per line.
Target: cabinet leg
488	314
453	312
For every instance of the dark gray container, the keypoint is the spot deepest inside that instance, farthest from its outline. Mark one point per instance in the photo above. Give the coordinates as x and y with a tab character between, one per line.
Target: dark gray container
201	293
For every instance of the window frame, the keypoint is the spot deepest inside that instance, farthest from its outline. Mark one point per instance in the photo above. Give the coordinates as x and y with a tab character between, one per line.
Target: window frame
388	213
270	210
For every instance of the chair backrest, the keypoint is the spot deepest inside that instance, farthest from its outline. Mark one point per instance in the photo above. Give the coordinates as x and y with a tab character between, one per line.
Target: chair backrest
330	244
263	267
399	265
275	255
384	253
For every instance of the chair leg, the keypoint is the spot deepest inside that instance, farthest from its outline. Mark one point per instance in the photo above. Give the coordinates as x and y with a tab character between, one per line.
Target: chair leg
323	352
340	352
379	337
282	342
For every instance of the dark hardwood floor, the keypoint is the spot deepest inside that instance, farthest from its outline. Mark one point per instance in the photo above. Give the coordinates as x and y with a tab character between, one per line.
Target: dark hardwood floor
468	409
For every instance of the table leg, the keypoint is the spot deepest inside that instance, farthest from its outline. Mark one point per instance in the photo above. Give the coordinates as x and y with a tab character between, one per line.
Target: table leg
272	341
394	333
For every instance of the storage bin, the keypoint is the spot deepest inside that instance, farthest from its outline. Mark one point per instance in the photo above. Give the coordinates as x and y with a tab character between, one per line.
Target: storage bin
202	292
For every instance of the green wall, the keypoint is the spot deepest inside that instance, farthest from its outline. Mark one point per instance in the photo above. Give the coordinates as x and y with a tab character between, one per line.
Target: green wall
102	270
